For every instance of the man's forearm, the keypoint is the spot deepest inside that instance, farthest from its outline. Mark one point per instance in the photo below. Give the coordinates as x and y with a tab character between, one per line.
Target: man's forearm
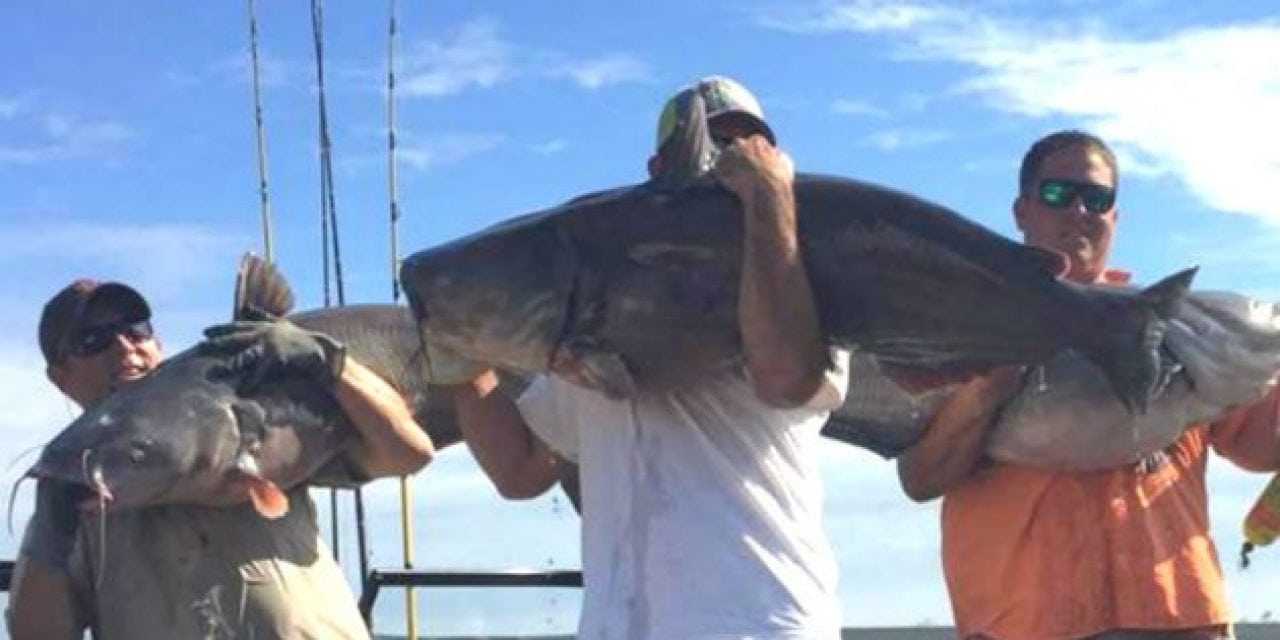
391	442
781	334
777	316
1250	436
954	442
518	463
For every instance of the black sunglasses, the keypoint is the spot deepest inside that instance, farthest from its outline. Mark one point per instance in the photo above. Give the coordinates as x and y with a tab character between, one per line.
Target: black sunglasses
90	341
1059	194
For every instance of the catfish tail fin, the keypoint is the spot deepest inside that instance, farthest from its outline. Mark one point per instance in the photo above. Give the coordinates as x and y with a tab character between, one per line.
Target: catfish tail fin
689	152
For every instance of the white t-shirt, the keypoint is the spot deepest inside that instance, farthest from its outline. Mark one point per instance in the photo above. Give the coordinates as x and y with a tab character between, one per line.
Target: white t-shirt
702	509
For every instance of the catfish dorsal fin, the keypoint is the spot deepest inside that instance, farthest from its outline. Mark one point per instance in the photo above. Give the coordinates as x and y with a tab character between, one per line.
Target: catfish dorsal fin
688	153
261	291
1166	295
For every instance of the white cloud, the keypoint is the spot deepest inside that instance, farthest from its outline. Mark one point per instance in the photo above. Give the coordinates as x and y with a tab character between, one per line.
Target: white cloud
447	149
161	259
474	55
847	107
60	137
477	55
897	139
33	407
857	16
550	147
234	68
617	68
1197	104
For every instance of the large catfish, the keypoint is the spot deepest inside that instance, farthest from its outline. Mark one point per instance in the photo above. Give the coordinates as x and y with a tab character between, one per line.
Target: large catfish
186	434
1224	351
636	288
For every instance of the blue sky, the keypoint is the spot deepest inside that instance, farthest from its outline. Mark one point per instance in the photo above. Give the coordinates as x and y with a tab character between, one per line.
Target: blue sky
127	151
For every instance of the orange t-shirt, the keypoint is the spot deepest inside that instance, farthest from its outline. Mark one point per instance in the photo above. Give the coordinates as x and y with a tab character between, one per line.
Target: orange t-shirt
1035	554
1032	554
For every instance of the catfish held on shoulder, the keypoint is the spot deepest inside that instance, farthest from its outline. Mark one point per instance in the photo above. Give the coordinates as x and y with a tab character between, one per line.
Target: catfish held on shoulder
637	287
202	430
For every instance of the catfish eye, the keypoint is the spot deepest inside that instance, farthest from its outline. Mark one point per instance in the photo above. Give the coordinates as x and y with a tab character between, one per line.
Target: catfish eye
138	452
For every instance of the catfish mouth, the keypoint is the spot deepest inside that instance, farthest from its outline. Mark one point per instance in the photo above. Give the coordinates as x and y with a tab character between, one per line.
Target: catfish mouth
87	498
87	490
80	495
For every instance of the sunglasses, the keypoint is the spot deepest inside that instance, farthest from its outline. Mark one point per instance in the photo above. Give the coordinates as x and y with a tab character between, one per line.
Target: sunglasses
1059	194
90	341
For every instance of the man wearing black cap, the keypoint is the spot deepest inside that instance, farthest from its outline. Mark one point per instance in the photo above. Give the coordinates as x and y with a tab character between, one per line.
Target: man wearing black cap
185	571
74	335
702	507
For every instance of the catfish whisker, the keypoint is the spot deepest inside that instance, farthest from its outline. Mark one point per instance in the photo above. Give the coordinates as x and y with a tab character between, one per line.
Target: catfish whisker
22	454
84	466
13	495
100	486
100	483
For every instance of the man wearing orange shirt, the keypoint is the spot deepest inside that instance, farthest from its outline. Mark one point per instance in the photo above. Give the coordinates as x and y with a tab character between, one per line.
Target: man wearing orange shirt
1120	554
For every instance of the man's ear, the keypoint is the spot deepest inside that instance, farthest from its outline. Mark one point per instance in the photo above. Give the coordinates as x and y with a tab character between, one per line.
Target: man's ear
57	374
655	165
1020	212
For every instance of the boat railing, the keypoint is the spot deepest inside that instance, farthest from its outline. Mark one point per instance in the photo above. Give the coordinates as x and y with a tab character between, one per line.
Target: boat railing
408	578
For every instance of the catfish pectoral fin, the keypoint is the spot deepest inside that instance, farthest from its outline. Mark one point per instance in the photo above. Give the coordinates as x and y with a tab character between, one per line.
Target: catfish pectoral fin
268	500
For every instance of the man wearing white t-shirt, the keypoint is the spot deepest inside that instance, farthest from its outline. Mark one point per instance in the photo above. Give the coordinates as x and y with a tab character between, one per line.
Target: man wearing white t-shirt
702	508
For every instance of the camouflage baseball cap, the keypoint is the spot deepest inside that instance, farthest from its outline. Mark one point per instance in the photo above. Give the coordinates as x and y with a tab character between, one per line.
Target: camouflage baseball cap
721	95
65	311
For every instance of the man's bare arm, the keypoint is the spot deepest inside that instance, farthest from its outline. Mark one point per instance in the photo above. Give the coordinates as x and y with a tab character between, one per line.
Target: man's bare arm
781	334
517	461
953	444
391	442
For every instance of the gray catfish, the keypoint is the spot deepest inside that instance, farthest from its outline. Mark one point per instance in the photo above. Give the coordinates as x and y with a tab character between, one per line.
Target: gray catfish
637	287
185	435
1224	349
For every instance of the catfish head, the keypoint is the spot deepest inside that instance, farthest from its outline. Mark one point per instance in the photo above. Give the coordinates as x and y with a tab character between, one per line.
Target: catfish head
500	297
182	435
